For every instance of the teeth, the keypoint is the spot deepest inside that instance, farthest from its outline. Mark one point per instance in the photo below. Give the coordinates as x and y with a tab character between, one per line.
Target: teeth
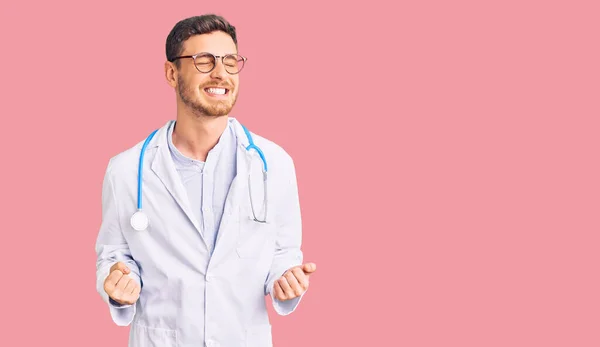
220	91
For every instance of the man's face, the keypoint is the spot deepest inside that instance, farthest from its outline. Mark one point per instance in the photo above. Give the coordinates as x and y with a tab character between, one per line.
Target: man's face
195	89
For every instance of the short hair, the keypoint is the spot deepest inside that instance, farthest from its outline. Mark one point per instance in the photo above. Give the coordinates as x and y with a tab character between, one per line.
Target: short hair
196	25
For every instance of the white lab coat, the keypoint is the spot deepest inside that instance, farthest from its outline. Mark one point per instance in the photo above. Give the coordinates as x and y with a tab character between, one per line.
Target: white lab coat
188	298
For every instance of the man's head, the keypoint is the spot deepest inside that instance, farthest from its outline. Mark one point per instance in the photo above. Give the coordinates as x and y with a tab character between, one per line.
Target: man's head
202	60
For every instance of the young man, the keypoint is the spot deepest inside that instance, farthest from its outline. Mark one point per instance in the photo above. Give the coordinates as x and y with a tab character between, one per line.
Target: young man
201	220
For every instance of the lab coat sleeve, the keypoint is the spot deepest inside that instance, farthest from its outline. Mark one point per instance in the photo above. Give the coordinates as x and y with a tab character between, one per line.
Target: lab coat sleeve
288	253
112	247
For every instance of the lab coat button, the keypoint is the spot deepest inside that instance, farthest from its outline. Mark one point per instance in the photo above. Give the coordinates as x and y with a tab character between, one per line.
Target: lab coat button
211	343
208	277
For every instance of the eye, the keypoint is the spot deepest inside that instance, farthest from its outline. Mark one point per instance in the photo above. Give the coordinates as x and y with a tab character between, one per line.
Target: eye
231	60
204	60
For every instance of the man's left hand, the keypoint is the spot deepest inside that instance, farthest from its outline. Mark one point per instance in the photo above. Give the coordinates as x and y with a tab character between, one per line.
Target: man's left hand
294	282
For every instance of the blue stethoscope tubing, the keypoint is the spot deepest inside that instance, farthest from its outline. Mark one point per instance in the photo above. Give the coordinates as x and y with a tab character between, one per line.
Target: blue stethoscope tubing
139	220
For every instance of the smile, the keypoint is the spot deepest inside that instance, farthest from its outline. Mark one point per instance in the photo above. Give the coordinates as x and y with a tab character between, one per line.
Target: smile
216	91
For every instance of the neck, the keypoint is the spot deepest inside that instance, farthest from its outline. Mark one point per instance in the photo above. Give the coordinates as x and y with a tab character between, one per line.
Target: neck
195	136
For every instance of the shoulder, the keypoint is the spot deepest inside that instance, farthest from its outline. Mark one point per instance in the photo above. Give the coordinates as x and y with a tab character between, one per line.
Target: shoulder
125	160
121	168
124	163
276	155
128	159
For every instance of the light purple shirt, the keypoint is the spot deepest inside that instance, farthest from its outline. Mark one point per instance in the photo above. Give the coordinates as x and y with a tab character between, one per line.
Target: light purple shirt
207	182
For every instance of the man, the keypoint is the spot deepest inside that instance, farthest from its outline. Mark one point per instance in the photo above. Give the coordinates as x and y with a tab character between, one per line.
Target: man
192	264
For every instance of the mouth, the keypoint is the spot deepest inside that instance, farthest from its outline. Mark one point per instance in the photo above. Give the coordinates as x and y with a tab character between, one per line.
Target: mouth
217	92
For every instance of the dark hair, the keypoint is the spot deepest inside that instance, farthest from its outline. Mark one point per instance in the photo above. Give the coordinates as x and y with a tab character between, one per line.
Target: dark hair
196	25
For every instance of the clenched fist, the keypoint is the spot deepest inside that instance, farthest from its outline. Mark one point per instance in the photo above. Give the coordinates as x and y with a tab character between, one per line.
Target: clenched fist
120	287
294	282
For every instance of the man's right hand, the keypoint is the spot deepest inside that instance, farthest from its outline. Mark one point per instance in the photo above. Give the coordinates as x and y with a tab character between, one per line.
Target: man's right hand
120	287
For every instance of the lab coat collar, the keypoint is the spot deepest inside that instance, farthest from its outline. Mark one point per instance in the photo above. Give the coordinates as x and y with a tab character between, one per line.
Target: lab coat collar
242	139
164	167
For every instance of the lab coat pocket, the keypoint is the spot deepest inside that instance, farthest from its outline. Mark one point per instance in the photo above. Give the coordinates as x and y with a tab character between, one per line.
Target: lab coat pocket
252	238
145	336
259	336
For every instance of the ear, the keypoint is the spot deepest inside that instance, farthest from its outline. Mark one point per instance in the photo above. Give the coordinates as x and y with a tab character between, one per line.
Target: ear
171	73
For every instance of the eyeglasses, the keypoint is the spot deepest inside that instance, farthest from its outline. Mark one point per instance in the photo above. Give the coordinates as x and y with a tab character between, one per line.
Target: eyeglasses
206	62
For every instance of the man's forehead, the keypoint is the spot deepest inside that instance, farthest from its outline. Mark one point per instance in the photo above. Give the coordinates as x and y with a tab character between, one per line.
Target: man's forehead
217	43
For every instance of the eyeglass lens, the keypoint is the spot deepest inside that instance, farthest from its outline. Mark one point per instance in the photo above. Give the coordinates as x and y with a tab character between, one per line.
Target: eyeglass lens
233	63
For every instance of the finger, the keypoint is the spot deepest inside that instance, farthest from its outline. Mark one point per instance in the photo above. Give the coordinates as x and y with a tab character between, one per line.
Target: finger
118	292
128	292
121	267
287	290
293	282
301	277
132	297
136	291
309	268
278	291
130	286
123	282
111	281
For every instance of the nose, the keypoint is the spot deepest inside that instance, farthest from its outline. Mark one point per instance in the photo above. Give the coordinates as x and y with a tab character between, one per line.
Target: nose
219	71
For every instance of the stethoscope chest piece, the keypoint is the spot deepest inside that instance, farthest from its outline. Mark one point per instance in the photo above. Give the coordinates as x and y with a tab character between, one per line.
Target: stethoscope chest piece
139	221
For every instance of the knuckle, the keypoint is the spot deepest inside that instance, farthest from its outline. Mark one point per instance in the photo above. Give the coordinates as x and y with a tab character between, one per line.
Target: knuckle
108	287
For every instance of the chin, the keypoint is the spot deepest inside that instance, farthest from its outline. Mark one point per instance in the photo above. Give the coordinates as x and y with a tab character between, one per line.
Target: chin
221	112
214	110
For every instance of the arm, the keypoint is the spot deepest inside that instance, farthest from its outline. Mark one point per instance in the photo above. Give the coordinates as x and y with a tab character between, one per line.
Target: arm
112	247
289	238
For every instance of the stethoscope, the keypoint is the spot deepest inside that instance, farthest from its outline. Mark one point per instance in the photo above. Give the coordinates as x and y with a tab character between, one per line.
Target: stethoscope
139	220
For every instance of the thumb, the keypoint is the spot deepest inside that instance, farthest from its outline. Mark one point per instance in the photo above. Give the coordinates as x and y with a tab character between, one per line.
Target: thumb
309	268
121	267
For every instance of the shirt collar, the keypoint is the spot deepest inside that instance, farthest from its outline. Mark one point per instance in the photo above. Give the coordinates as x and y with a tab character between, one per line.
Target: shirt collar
182	159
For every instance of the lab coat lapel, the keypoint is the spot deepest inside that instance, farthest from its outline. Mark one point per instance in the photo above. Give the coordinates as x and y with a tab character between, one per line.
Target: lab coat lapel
229	228
164	168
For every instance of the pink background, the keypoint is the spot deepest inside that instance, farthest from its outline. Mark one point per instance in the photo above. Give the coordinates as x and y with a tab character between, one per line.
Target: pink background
447	157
